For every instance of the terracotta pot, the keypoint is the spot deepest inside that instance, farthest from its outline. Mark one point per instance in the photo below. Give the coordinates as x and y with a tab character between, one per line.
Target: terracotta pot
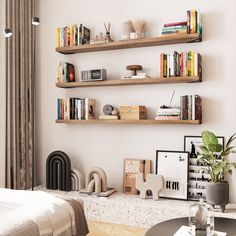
218	194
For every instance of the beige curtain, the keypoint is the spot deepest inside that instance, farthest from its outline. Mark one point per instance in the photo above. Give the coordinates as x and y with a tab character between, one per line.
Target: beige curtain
2	93
20	93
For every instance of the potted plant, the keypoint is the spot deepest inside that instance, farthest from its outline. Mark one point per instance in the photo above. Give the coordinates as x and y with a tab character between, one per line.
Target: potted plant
214	157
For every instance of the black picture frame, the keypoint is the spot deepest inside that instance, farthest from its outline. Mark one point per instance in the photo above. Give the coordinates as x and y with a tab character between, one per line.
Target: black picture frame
173	177
197	181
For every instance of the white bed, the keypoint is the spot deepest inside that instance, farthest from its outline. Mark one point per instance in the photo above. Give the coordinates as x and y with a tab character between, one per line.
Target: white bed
38	213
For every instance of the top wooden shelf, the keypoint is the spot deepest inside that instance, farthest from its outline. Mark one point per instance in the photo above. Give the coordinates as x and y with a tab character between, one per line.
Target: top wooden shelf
133	43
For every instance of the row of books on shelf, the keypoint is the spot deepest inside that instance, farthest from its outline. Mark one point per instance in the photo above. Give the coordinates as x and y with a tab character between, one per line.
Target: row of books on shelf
72	35
180	64
190	26
75	109
66	72
190	109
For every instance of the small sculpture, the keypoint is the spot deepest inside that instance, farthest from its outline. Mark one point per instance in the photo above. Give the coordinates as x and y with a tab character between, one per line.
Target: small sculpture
153	182
108	32
76	180
58	171
134	68
96	180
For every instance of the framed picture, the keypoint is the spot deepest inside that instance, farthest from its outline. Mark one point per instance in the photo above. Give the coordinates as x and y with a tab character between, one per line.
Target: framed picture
197	180
173	166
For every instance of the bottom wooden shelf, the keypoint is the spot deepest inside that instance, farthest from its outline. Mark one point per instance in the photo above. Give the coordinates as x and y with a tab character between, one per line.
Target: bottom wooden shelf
186	122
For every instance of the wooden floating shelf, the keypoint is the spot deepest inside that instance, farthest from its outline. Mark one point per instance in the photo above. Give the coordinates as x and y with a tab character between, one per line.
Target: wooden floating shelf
123	82
145	122
133	43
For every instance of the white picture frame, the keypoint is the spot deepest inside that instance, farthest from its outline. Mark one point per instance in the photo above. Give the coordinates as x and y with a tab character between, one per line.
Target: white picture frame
173	166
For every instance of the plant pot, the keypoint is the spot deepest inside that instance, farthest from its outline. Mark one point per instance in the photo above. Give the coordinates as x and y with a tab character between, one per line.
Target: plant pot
218	194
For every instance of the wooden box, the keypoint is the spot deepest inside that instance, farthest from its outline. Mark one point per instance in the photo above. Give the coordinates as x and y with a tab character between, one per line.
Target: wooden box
131	168
133	113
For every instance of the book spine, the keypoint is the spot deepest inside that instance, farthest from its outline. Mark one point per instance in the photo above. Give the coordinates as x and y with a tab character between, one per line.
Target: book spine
86	108
172	64
175	27
62	109
168	65
165	66
62	37
83	109
71	111
175	24
184	31
85	35
58	37
192	63
193	21
91	109
79	109
182	64
58	72
198	108
68	37
161	65
65	37
182	106
189	108
196	72
185	107
193	107
199	65
76	34
199	22
188	22
189	63
58	109
80	34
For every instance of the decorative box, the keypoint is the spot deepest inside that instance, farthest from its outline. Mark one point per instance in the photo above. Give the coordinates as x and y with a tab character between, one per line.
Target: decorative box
133	113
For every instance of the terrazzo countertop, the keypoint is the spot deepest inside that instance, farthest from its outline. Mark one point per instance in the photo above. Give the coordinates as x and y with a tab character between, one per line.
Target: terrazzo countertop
131	210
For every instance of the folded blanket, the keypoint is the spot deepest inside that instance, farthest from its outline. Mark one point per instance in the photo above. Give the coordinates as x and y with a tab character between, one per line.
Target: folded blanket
80	220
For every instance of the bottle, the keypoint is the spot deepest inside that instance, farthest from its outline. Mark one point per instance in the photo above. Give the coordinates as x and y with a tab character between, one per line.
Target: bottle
193	152
201	219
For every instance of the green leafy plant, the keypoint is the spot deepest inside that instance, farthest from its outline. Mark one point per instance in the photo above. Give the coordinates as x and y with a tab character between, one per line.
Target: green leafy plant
214	156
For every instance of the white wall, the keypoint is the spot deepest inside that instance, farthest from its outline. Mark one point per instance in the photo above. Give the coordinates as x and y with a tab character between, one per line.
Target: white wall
107	145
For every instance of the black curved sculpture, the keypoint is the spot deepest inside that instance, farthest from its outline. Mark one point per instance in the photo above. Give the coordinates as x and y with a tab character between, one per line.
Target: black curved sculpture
58	171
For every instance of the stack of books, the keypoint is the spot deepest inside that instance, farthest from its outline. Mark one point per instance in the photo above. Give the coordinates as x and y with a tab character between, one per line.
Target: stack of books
66	72
75	109
169	113
190	26
190	107
180	64
72	35
175	28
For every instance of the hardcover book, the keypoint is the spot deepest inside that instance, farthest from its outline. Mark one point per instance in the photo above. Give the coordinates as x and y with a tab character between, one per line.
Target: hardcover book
131	168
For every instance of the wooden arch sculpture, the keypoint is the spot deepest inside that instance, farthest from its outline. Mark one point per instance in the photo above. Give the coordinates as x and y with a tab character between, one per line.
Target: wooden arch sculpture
96	180
58	171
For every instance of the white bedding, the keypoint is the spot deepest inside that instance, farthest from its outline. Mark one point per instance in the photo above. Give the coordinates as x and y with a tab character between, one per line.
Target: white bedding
19	209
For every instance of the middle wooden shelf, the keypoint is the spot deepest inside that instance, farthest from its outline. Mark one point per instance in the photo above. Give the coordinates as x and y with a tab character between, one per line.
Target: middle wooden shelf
149	121
124	82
